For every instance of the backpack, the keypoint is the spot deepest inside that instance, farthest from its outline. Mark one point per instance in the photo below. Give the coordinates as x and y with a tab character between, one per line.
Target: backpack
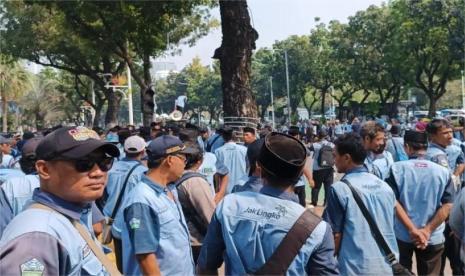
190	213
326	158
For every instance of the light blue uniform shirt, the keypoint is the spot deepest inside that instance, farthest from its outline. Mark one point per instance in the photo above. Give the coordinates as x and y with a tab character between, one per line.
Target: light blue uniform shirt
359	254
379	164
421	187
457	219
248	227
153	223
46	242
454	156
253	184
395	146
19	190
116	177
233	157
214	142
5	174
437	154
7	161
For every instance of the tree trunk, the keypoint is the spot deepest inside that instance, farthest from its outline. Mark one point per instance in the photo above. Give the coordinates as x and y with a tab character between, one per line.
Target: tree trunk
235	55
432	105
98	114
4	113
323	99
114	100
147	93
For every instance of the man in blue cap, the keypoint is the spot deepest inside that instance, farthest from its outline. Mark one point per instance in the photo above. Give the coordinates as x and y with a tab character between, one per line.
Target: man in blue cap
154	234
424	191
48	238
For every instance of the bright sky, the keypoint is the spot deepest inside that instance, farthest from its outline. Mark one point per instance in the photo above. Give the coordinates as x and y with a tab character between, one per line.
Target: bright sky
276	20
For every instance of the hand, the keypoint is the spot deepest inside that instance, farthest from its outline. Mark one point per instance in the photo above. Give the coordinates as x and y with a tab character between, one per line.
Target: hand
419	238
311	183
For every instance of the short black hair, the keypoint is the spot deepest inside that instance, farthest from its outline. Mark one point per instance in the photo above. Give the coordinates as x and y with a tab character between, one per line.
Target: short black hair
28	164
188	135
227	134
123	134
370	129
416	146
351	144
249	129
437	123
395	130
192	159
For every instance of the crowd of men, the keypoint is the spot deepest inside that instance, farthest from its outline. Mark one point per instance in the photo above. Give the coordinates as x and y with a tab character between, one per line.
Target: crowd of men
184	200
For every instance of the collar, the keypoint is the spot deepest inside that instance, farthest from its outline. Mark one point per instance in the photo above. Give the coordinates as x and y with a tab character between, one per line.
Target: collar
274	192
68	209
359	169
126	159
153	185
372	156
253	181
417	156
434	145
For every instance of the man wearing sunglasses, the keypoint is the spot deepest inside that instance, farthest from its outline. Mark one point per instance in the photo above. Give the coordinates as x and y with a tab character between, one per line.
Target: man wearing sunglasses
154	234
49	237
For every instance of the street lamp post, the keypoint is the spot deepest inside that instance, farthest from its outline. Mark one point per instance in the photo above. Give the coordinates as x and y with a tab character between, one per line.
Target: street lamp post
272	101
287	88
131	117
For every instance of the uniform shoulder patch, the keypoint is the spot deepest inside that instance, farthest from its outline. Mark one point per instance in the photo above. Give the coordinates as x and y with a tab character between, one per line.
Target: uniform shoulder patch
134	223
32	268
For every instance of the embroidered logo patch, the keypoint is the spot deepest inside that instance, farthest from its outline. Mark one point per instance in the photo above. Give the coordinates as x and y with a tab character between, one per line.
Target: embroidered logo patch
82	133
85	251
32	268
134	223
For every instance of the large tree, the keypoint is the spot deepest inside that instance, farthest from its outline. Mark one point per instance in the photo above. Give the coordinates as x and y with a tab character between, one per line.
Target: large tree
235	55
431	33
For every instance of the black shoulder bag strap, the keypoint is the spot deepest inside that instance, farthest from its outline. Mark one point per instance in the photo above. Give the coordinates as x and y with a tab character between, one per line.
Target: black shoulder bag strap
373	227
290	246
209	145
121	193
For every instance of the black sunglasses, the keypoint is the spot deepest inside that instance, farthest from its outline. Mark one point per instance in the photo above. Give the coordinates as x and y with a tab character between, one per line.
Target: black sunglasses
86	164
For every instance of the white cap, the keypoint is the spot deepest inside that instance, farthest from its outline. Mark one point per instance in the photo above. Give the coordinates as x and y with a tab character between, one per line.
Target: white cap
134	144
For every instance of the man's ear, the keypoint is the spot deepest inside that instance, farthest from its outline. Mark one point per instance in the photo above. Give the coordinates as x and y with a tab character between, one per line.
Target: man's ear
43	169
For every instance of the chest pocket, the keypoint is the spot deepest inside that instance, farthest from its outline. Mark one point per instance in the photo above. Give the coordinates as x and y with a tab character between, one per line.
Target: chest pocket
90	264
169	222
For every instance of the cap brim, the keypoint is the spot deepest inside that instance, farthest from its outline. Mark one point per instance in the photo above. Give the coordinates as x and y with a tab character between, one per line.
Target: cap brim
188	150
91	145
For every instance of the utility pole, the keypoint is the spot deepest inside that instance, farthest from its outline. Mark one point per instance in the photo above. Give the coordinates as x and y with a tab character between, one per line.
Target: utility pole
272	101
287	87
131	117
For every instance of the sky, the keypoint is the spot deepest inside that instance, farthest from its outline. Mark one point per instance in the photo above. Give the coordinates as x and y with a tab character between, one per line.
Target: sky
275	20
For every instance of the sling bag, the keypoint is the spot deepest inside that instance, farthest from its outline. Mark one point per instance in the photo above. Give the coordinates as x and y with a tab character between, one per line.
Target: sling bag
290	246
210	145
84	233
106	233
397	268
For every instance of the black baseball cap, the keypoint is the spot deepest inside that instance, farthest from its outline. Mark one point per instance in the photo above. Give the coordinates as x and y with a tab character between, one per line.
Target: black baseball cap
29	148
165	145
72	143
